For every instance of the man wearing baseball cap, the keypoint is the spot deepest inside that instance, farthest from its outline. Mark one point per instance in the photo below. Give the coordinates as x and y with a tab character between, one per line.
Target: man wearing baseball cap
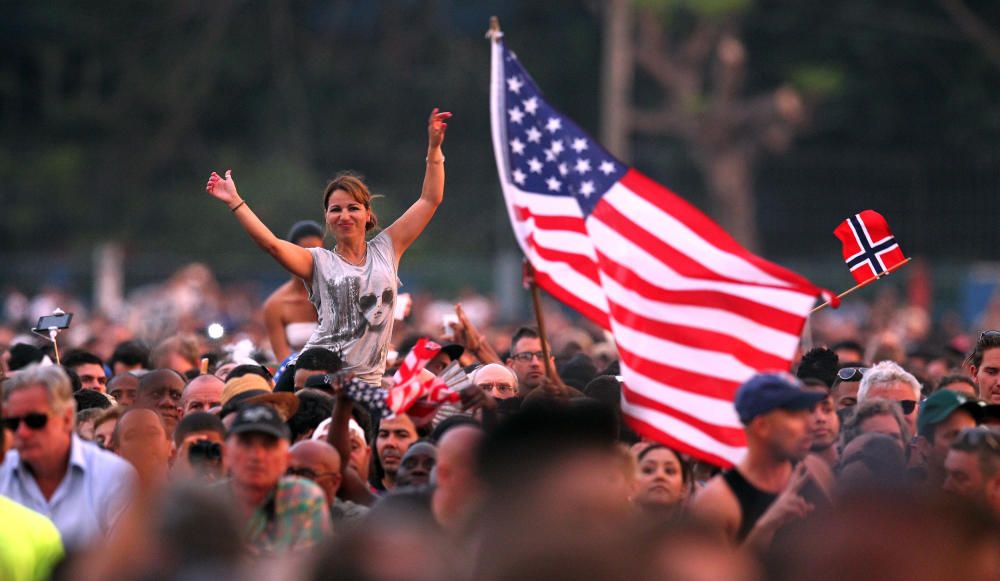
761	492
282	513
942	417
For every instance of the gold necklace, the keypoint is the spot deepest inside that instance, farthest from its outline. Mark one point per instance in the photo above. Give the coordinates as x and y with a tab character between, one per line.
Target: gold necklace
364	255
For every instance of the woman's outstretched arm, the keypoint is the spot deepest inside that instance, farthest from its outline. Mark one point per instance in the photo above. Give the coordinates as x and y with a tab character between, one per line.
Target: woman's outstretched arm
292	257
408	226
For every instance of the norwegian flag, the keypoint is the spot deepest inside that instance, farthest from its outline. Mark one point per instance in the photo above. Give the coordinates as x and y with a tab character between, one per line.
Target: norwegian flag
870	249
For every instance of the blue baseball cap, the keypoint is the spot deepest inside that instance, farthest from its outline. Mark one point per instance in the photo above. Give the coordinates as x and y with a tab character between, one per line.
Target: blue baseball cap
766	392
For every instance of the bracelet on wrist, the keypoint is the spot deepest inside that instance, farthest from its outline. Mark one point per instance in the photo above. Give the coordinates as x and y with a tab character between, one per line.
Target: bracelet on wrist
237	206
429	160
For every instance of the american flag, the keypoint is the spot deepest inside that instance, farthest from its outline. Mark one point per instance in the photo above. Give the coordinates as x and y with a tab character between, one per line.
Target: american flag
693	313
411	394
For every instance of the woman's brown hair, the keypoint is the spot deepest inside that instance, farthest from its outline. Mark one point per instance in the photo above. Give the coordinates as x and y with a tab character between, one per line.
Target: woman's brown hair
357	189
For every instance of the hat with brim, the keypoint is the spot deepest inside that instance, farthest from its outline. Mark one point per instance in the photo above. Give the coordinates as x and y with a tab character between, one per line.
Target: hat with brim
260	419
285	403
238	385
944	402
766	392
453	350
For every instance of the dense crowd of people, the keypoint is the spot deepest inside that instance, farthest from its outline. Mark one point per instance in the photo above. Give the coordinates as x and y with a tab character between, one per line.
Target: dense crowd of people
144	448
207	463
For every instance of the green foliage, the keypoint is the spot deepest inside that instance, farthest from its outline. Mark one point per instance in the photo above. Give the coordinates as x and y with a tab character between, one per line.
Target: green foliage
713	9
112	114
818	80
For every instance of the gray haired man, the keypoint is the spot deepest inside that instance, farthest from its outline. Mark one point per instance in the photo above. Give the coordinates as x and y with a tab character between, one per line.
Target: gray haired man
80	487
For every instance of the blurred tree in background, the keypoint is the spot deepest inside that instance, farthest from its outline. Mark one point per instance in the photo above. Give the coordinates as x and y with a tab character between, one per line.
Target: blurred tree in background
113	113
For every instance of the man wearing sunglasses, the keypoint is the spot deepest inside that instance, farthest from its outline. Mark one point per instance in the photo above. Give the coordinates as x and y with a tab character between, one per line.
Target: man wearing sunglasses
80	487
29	543
887	380
973	466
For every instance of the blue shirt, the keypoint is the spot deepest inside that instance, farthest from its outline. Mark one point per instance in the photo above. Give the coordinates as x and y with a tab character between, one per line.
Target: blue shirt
88	501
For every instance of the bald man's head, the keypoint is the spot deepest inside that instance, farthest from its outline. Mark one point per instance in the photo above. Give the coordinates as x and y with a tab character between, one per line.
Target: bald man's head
458	490
140	437
316	461
202	394
456	455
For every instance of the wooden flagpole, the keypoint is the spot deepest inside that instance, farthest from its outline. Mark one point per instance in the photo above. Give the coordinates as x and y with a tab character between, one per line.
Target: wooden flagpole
864	284
536	301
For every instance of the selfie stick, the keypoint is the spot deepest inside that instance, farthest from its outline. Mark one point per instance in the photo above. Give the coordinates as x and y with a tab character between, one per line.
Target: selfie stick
53	333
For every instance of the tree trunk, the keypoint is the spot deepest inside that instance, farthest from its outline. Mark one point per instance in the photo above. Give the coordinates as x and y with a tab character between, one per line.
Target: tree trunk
616	78
729	176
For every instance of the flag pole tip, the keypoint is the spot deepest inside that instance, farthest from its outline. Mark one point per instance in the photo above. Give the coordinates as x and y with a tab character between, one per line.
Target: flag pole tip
494	32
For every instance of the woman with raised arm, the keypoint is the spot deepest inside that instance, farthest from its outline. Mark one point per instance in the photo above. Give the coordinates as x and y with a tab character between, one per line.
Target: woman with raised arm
353	287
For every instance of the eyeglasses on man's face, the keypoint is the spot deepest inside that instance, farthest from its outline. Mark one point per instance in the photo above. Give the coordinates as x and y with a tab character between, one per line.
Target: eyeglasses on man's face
526	356
497	386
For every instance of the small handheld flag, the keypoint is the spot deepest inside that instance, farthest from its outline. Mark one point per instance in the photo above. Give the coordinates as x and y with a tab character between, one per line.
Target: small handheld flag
412	394
870	249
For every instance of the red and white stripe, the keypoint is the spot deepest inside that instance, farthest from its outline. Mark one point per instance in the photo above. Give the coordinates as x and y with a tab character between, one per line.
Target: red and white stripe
693	313
408	387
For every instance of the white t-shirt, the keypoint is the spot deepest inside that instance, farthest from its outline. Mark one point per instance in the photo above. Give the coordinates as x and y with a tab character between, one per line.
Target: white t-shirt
355	306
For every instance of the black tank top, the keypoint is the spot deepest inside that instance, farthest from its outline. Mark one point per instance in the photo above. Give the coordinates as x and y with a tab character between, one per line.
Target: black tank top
753	501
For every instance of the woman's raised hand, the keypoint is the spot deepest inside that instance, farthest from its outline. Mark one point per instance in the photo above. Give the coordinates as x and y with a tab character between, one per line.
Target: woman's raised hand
436	128
223	188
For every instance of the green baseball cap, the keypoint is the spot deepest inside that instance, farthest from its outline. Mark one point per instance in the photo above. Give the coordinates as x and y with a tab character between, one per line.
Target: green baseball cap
941	404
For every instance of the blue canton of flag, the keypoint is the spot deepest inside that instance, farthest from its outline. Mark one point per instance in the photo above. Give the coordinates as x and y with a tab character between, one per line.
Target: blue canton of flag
546	152
370	396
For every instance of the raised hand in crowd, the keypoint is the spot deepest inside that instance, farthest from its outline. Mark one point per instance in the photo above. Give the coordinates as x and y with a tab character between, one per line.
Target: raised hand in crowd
223	189
474	398
554	387
787	508
436	128
353	487
467	335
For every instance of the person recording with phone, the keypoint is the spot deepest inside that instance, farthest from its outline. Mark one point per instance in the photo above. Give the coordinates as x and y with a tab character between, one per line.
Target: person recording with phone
200	440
